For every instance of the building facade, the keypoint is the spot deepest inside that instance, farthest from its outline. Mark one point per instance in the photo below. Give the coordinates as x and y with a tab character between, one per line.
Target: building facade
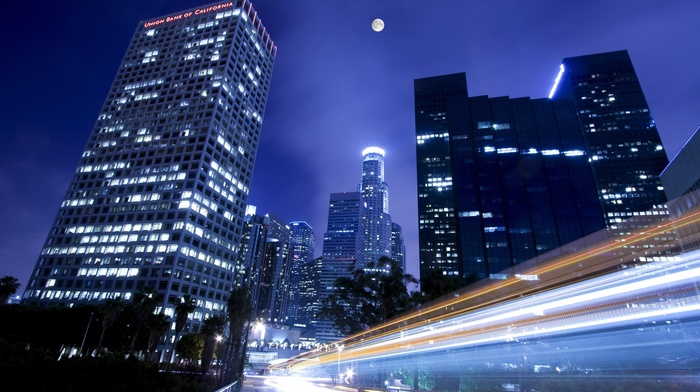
502	180
159	195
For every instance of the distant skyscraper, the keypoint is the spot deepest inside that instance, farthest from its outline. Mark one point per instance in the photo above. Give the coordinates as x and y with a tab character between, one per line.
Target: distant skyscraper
343	241
342	250
309	287
502	180
264	265
252	253
375	222
303	246
159	195
398	249
275	272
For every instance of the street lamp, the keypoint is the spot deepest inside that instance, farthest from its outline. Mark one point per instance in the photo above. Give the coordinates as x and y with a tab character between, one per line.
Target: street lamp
260	327
340	348
348	375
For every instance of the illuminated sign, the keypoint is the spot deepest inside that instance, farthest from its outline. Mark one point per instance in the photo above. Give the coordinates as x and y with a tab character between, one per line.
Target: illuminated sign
185	15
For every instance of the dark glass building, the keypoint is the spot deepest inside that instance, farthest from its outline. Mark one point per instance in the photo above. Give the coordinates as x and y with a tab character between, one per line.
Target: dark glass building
398	248
624	147
682	175
681	180
502	180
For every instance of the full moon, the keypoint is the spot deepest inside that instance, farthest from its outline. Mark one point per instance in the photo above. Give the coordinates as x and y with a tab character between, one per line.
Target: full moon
377	25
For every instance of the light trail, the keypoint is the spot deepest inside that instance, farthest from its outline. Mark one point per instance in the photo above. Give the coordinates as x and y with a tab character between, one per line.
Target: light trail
295	384
603	302
516	309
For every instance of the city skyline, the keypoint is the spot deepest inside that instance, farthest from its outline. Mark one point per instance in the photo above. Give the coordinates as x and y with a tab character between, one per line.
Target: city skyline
337	88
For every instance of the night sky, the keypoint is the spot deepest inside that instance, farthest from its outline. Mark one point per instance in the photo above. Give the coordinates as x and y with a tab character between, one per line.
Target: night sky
337	87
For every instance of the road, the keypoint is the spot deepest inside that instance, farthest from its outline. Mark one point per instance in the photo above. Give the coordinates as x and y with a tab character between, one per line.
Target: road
288	384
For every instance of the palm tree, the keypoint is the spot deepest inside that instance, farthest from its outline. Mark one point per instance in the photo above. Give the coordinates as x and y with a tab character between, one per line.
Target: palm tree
144	304
212	328
186	306
110	309
158	325
239	311
8	287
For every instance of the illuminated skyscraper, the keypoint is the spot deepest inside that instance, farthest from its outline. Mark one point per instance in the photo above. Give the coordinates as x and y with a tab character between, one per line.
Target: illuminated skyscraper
375	222
342	252
272	303
303	247
159	195
502	180
251	254
309	286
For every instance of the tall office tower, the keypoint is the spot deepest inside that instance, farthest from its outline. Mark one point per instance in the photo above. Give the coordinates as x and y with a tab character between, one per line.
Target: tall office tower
375	222
502	180
309	286
398	249
435	98
623	144
264	265
342	252
251	253
303	246
275	272
159	195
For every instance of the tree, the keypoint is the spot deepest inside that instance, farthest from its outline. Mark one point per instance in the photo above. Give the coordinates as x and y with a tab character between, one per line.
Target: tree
369	297
239	311
183	309
190	346
158	325
144	304
8	287
435	284
212	329
109	310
